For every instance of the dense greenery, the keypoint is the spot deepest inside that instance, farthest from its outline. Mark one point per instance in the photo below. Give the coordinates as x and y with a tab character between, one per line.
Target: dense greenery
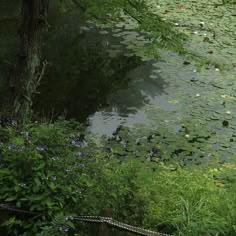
50	170
148	178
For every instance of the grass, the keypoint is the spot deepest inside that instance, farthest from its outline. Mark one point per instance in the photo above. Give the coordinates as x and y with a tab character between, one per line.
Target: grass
46	169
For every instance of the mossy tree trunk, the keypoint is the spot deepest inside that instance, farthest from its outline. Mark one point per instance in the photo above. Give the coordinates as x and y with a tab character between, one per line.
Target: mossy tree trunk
29	68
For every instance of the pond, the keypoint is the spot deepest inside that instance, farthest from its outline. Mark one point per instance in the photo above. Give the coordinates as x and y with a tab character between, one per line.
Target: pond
102	77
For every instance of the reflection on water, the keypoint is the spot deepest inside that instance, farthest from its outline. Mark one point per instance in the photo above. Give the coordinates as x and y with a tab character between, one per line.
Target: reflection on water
127	106
93	74
83	73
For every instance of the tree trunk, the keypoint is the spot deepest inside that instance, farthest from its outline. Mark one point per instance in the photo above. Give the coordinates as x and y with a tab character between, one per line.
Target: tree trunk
29	68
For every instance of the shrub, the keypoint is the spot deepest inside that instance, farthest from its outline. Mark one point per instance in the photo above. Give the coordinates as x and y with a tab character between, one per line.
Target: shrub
40	172
49	170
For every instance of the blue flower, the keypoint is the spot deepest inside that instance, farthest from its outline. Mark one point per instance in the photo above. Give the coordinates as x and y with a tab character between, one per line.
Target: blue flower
41	148
76	143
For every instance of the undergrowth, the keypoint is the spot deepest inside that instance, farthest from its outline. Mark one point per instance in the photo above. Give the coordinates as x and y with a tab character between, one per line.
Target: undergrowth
56	171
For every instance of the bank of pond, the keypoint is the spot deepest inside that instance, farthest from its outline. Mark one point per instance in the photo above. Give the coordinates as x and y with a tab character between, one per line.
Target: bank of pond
58	170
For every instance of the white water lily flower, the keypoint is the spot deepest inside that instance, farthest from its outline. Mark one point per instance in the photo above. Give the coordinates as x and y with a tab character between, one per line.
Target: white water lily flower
176	23
228	112
197	95
187	136
195	32
217	69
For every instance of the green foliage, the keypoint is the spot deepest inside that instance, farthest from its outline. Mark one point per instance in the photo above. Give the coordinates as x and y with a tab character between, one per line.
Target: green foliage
47	169
38	174
228	2
176	200
160	32
44	171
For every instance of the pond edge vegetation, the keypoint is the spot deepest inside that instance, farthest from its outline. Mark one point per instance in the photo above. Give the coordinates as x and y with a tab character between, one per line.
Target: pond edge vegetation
52	169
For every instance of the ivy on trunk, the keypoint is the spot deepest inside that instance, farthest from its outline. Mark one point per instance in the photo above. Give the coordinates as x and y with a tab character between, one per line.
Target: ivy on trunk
29	68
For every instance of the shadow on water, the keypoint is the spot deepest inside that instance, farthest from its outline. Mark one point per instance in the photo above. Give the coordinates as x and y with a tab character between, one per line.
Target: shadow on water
82	74
90	72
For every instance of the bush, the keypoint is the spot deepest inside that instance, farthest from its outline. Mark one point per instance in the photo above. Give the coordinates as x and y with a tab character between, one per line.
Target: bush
38	173
45	169
51	170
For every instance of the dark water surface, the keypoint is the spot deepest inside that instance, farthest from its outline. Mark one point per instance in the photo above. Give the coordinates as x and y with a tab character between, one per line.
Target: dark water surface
92	74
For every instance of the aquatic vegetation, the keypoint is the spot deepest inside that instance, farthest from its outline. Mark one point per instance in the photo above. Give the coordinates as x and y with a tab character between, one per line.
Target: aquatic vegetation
209	26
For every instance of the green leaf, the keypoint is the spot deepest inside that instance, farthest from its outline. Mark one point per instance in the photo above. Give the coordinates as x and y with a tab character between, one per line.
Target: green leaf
10	199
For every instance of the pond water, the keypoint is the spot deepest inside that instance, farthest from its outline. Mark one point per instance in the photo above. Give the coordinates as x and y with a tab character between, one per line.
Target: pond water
102	77
110	82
